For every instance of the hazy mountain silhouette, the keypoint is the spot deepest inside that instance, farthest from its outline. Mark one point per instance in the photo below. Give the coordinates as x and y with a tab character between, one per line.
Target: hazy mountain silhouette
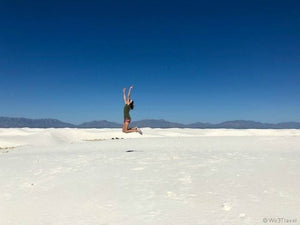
99	124
10	122
156	124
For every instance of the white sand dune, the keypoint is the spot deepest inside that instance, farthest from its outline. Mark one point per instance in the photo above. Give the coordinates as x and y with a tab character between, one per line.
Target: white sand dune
167	176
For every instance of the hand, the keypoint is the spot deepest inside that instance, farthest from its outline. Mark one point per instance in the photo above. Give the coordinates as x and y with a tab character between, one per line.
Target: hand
131	86
124	90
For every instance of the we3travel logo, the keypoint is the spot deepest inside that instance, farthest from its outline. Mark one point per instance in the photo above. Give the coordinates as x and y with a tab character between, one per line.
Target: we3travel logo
279	220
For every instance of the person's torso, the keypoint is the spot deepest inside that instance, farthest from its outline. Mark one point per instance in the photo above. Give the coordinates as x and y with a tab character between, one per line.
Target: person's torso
126	111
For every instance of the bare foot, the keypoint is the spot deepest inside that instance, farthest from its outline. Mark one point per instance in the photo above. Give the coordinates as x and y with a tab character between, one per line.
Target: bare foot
139	131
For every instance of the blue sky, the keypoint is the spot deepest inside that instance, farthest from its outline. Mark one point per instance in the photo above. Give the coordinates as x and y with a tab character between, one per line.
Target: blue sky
189	61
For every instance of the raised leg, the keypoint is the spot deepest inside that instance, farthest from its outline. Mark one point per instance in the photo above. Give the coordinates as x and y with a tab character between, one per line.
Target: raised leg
125	128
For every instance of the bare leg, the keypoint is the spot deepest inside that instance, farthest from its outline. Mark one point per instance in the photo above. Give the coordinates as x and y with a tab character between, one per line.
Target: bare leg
125	128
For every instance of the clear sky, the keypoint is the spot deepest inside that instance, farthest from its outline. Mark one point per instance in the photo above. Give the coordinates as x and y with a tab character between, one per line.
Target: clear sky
189	61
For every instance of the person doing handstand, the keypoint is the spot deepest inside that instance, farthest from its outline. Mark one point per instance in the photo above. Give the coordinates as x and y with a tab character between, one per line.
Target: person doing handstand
129	105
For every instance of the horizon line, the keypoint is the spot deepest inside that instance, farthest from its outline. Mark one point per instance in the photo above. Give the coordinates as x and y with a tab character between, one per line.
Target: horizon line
95	120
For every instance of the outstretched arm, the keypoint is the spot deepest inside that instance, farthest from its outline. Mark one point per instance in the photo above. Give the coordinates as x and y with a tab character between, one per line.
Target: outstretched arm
129	92
124	95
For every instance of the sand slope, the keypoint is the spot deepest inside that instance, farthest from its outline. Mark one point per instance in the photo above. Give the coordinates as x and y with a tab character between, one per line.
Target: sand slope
166	176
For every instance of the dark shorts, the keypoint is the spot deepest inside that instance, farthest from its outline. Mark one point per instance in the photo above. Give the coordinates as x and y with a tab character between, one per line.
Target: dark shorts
127	120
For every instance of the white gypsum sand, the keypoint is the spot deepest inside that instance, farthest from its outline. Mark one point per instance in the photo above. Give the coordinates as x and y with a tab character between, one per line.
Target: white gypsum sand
167	176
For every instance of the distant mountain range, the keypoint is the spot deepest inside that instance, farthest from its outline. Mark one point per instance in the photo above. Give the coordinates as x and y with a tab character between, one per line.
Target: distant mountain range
9	122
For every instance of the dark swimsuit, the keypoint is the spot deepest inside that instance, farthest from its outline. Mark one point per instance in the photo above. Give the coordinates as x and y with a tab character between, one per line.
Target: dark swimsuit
127	117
